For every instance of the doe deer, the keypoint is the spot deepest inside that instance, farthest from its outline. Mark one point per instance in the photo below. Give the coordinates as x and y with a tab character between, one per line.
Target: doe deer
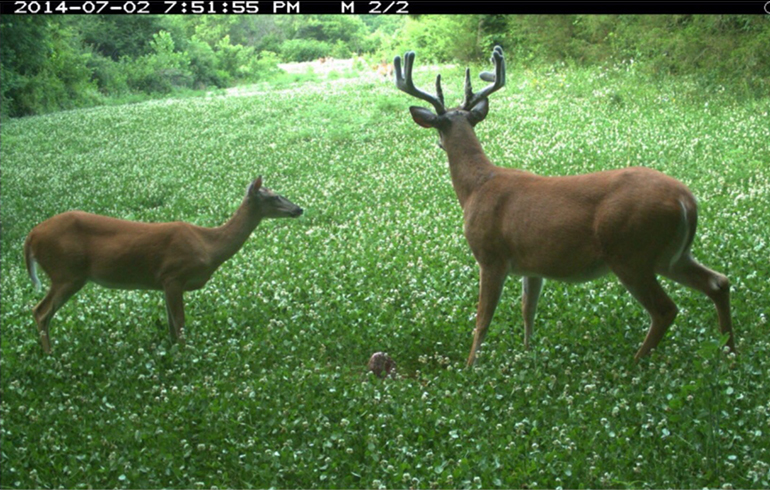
635	222
76	247
384	69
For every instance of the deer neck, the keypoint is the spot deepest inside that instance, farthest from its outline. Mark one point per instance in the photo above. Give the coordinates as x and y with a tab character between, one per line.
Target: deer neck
468	164
226	240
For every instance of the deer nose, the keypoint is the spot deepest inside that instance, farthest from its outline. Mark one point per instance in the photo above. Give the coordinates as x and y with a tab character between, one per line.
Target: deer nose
297	212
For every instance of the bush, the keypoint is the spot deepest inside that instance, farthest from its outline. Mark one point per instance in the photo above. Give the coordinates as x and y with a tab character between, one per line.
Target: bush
264	66
43	70
110	76
304	49
203	64
718	49
230	58
340	50
162	70
442	38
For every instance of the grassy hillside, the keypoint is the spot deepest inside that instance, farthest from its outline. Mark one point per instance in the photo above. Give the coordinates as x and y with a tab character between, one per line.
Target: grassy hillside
272	389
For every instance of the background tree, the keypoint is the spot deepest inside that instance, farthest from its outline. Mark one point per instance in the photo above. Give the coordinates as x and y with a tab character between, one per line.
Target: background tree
54	62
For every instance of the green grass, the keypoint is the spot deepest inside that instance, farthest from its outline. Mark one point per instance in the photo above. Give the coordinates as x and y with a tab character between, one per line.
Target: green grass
272	389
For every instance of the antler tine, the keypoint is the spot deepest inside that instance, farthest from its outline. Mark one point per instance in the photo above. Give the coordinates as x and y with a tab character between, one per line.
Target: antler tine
497	79
405	83
439	92
488	76
468	90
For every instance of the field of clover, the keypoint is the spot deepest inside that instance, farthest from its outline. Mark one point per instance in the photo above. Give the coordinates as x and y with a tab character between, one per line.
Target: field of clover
272	389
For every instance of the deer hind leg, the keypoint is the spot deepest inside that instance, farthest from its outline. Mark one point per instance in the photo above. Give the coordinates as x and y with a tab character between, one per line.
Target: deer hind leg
646	289
529	296
44	311
491	281
688	272
175	312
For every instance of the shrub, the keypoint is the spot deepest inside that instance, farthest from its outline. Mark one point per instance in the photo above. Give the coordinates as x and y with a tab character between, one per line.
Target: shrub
203	64
264	66
442	37
304	49
162	70
110	76
231	58
46	71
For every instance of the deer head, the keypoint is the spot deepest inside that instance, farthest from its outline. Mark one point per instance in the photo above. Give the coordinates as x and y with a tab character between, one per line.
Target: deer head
268	204
474	107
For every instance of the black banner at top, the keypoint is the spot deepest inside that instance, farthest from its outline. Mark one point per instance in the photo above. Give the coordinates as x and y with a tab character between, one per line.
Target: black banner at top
386	7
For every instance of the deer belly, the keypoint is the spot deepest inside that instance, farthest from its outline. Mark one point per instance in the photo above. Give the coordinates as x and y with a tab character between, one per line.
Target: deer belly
197	283
124	275
124	283
594	271
566	271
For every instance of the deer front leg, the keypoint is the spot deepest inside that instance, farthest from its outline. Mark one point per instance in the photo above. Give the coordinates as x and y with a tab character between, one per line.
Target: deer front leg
491	279
175	312
529	296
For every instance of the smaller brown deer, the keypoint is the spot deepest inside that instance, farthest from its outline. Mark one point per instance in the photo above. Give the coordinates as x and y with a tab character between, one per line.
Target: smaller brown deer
384	69
76	247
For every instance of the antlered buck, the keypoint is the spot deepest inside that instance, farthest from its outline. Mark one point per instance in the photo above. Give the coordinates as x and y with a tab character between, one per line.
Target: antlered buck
76	247
635	222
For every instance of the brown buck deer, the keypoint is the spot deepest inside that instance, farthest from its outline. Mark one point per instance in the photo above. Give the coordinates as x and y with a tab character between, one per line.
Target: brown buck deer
76	247
635	222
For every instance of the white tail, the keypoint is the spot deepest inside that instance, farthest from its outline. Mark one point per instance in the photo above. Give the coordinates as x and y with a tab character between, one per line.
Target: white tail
635	222
76	247
32	268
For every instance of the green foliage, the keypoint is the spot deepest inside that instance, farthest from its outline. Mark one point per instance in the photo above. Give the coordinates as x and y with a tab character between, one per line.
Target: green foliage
720	49
162	69
263	67
243	63
203	64
304	49
535	38
442	38
271	390
22	58
111	77
117	36
58	62
212	29
42	71
65	62
347	29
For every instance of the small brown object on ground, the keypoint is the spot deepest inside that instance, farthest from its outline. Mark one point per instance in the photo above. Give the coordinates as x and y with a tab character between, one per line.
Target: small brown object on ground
382	365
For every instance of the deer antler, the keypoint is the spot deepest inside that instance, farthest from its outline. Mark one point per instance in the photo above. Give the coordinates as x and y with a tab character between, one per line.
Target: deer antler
405	84
497	78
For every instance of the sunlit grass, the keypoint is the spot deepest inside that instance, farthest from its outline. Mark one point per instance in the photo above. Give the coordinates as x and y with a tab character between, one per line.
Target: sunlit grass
272	389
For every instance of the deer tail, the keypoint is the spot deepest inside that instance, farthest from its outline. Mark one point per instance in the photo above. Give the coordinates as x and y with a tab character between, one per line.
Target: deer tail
29	259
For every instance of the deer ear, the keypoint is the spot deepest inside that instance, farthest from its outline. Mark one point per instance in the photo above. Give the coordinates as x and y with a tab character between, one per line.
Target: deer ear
479	111
424	117
255	186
